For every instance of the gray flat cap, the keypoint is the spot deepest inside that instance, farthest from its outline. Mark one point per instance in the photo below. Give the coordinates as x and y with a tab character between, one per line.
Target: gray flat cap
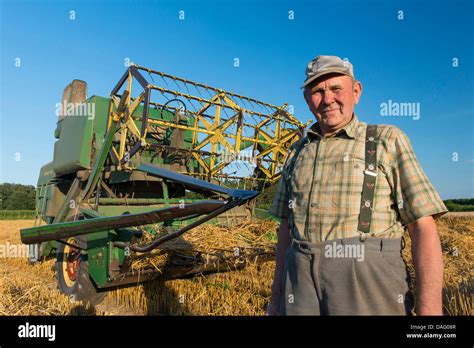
322	65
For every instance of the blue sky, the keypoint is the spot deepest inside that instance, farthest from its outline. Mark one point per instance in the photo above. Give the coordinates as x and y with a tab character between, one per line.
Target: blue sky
409	60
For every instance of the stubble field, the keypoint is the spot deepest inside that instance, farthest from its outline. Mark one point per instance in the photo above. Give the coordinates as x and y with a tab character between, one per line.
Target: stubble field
27	289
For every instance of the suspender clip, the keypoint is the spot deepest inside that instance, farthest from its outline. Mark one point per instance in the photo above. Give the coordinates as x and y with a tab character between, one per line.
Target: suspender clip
369	172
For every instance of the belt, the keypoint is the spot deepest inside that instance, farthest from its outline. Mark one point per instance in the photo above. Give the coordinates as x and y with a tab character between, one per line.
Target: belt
372	243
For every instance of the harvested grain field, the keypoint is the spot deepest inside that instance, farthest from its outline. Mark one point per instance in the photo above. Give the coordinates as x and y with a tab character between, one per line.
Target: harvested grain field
31	289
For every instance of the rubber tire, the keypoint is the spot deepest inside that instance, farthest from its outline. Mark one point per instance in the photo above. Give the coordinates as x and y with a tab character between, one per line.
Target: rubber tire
83	288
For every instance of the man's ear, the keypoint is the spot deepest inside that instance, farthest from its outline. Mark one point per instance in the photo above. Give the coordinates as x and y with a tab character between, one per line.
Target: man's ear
357	90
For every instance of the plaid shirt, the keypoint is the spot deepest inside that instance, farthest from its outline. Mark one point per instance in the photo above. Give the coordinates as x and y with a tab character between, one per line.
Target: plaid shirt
327	180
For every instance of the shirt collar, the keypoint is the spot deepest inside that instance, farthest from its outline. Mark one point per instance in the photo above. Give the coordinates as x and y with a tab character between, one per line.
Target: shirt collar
351	129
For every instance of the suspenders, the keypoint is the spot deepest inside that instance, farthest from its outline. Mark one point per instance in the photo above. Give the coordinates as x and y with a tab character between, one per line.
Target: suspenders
370	176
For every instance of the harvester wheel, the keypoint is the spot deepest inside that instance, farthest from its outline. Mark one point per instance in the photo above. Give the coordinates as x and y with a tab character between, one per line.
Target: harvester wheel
73	272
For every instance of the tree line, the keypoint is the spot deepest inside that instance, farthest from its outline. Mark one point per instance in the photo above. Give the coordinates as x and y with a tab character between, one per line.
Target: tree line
464	204
22	197
17	197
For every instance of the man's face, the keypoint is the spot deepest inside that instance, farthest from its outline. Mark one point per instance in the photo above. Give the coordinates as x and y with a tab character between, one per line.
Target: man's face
331	99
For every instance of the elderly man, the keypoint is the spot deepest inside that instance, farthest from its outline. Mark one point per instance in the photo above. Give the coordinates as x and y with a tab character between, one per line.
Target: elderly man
347	193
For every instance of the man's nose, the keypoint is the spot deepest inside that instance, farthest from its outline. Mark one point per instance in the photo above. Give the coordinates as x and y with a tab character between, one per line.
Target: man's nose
328	97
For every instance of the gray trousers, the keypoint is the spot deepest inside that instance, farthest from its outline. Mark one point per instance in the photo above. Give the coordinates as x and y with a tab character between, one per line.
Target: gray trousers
346	277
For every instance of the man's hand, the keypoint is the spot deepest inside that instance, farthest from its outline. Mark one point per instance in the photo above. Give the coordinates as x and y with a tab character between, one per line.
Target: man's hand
428	261
282	245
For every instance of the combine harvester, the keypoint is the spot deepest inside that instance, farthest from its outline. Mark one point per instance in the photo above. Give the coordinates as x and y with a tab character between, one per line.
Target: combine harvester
165	154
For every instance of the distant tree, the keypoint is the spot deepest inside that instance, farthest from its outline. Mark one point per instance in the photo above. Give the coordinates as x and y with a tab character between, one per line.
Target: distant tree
17	197
463	201
265	199
464	204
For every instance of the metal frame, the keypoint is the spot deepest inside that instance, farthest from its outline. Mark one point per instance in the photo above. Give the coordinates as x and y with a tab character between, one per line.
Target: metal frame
274	127
210	208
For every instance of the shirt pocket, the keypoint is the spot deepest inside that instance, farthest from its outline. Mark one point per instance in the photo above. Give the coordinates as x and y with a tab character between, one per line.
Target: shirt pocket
301	176
299	180
385	202
347	183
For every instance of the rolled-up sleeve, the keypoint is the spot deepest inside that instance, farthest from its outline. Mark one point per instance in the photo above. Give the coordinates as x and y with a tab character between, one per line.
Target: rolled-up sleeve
414	193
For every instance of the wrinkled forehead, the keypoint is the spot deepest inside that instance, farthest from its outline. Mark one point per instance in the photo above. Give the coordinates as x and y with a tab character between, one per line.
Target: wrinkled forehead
331	80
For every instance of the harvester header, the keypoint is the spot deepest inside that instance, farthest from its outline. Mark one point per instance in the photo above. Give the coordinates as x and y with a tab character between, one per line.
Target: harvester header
160	151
